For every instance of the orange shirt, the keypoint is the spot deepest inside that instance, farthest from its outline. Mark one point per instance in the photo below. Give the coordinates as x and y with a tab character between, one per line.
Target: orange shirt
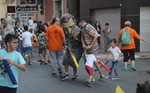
133	35
55	37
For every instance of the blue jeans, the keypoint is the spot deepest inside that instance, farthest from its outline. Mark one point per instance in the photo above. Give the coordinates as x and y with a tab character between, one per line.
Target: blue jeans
56	57
114	66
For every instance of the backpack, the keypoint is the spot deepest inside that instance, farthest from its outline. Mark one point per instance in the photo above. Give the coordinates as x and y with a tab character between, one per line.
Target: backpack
125	38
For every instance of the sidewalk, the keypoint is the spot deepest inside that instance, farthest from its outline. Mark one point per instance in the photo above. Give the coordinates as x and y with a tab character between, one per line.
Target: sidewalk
102	55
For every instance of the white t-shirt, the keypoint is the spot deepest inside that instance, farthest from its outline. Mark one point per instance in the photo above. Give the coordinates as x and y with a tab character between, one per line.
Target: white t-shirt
90	59
27	39
31	25
115	52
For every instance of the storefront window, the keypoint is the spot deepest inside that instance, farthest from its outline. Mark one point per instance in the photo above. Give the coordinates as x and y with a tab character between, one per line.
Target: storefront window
27	2
10	1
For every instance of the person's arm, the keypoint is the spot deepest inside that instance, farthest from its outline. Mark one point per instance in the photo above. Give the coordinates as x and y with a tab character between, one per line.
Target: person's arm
120	54
20	66
70	51
119	37
93	41
107	54
1	58
138	36
83	45
142	39
64	42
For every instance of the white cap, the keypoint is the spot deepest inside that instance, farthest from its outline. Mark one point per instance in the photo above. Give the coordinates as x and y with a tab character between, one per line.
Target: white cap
127	23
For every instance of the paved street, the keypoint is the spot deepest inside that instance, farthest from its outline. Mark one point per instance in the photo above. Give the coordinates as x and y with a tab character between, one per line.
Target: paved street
38	79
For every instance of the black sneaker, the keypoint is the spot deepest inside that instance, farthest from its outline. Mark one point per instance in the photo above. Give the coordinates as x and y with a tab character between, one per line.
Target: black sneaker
90	84
66	76
42	62
54	74
60	71
29	63
75	77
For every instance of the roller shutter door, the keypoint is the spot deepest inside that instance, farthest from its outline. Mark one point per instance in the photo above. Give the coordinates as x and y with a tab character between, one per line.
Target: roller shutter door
145	28
111	16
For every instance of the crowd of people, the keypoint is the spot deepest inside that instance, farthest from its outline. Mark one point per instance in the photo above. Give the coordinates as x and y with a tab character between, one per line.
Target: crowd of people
59	41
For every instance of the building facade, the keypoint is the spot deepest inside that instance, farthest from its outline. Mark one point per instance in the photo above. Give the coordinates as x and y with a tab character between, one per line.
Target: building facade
116	12
40	10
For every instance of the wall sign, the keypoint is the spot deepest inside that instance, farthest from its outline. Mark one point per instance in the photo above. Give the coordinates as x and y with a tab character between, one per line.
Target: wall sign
26	8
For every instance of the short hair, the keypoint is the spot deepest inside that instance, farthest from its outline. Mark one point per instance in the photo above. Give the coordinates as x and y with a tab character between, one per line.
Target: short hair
89	51
54	20
113	40
127	23
80	20
106	24
25	27
42	28
9	38
45	24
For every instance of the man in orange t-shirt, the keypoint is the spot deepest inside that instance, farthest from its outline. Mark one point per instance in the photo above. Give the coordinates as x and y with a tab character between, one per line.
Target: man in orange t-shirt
129	49
55	41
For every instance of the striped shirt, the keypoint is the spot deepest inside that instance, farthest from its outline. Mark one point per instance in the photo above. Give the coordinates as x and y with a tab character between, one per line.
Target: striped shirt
88	32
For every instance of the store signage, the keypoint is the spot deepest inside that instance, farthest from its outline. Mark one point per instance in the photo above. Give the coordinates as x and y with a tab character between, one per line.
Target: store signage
26	8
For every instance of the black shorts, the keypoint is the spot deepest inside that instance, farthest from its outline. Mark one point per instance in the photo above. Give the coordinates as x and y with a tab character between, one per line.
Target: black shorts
7	90
129	53
42	50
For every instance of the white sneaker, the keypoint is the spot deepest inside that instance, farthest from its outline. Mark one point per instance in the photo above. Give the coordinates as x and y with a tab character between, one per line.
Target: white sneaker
115	78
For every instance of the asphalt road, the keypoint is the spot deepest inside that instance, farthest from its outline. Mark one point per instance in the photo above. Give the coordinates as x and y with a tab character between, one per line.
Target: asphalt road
38	79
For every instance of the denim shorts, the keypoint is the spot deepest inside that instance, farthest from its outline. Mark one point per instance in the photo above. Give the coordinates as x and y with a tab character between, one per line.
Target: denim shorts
106	40
27	49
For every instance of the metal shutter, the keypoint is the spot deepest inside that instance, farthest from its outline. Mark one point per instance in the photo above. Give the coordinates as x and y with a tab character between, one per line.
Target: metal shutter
111	16
145	28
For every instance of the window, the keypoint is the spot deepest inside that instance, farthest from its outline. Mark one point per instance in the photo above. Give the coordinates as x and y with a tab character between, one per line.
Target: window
11	1
10	9
27	2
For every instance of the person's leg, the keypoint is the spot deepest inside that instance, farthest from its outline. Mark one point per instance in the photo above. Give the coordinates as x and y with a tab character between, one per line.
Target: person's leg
111	68
125	54
97	66
29	51
66	75
116	63
59	57
47	56
90	72
41	51
53	62
132	54
105	44
75	74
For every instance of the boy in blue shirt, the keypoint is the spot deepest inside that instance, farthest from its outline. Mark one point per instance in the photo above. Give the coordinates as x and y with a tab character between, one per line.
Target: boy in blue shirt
16	63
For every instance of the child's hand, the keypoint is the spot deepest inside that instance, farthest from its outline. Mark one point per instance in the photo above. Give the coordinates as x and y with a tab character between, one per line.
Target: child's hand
11	62
1	58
